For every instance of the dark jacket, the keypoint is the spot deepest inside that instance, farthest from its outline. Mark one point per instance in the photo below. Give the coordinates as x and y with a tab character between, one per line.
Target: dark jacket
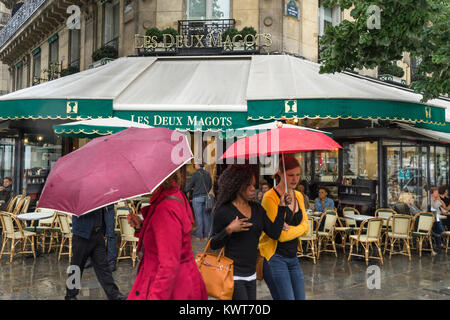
83	226
6	194
201	182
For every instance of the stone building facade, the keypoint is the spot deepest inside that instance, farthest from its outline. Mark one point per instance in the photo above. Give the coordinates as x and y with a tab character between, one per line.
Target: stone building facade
42	39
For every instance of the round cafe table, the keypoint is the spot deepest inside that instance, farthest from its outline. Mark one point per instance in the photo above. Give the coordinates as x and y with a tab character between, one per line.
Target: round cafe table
35	216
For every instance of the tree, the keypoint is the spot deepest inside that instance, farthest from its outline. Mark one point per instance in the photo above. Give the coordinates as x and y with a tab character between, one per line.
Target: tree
418	27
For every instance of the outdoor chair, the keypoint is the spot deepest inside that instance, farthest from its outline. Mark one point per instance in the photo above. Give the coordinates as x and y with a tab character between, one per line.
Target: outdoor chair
43	229
421	227
66	235
118	211
385	213
345	229
327	234
311	242
372	236
9	223
446	234
127	237
141	204
19	204
350	210
401	232
12	203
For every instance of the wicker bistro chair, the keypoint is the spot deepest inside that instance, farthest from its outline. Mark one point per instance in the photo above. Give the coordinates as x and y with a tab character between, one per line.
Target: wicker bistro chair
43	229
421	226
385	213
446	234
372	236
327	234
10	222
311	242
127	237
345	229
401	230
66	235
12	203
119	211
19	204
350	210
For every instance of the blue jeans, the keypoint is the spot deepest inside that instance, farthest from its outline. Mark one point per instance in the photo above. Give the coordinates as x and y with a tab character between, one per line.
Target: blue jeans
202	218
110	236
436	232
284	277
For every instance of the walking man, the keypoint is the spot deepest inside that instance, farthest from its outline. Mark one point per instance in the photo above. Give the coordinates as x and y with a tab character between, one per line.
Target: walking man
201	184
88	241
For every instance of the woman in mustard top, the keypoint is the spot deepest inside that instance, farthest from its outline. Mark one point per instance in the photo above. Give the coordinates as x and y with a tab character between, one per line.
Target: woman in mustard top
282	271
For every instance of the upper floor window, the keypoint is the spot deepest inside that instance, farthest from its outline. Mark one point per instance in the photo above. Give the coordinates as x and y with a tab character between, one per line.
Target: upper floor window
19	68
328	16
208	9
37	66
74	57
53	66
111	23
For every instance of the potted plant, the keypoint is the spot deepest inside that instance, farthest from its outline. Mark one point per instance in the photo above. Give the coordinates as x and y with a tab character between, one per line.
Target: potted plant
105	52
69	70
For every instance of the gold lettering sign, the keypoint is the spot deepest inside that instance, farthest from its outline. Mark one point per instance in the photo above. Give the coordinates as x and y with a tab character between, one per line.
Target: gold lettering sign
202	41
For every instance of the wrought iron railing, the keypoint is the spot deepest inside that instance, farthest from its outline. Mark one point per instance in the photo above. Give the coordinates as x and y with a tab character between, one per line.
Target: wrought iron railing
18	19
188	28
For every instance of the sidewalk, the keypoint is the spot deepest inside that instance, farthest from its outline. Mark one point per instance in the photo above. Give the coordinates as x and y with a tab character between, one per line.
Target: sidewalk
331	278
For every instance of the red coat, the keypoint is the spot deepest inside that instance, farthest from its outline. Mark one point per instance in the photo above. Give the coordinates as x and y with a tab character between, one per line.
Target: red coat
167	270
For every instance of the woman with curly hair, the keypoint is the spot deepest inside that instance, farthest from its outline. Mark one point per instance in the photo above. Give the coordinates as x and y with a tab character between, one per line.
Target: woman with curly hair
238	224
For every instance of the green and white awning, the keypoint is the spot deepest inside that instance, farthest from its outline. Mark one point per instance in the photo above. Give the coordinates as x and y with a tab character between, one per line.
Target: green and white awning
95	127
217	94
285	87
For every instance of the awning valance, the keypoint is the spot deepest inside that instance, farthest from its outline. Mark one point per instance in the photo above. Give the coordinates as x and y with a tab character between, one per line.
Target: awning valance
433	134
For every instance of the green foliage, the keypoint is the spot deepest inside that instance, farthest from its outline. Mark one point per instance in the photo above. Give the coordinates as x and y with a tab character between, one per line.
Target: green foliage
231	32
104	52
151	32
418	27
392	69
247	30
69	70
171	31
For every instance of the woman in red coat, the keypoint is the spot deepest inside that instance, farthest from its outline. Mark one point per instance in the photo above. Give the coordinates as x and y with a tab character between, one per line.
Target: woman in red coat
167	270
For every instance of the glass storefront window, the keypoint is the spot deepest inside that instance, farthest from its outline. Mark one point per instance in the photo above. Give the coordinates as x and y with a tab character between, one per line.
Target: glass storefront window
39	157
304	159
326	165
441	166
7	150
360	160
393	169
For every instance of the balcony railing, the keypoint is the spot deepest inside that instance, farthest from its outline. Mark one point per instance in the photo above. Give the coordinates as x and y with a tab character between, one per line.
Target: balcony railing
188	28
18	19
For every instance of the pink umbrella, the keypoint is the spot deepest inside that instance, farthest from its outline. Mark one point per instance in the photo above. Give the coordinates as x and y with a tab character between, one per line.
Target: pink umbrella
124	165
280	140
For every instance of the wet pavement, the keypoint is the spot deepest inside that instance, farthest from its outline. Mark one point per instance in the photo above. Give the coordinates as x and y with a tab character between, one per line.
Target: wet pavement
426	278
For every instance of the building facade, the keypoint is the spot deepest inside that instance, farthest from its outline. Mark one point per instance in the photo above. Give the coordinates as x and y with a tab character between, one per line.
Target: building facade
48	39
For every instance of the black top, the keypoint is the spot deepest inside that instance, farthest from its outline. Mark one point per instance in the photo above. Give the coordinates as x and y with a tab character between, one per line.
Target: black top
201	182
446	200
242	246
288	249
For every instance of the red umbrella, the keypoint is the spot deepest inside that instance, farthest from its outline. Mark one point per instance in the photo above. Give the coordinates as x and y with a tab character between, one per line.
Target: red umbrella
108	169
280	141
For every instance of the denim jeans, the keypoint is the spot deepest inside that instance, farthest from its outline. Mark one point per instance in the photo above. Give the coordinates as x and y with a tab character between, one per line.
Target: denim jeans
110	236
284	277
202	218
436	232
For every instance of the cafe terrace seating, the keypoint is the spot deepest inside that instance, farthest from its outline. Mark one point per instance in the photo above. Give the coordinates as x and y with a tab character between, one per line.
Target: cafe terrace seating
311	242
421	230
401	233
14	233
325	236
372	236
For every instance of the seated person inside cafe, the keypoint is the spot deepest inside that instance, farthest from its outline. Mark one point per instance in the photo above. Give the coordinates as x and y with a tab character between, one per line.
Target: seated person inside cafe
405	204
322	201
6	192
438	208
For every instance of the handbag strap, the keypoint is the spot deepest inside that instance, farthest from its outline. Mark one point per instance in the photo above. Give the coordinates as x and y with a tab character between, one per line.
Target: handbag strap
205	252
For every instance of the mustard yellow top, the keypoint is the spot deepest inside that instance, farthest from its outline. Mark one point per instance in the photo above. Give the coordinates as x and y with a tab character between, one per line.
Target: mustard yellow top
268	246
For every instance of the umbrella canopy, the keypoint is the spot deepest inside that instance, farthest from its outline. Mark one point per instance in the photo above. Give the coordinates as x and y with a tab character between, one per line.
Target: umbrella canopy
279	141
274	125
108	169
95	127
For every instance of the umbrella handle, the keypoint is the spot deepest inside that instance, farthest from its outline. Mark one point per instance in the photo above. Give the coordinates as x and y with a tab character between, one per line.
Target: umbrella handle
284	175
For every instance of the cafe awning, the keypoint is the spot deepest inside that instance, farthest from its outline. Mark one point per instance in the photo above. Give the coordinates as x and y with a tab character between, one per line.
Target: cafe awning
286	87
433	134
216	93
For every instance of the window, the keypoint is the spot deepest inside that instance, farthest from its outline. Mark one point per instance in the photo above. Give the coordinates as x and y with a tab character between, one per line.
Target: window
19	68
328	16
36	67
53	67
360	160
111	24
326	165
74	57
208	9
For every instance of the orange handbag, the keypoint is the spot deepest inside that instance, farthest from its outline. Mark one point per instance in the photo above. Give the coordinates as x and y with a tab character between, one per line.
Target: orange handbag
217	273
